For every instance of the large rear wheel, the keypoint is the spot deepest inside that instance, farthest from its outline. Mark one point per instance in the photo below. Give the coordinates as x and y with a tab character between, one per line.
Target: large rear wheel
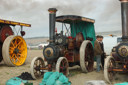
86	56
109	65
14	51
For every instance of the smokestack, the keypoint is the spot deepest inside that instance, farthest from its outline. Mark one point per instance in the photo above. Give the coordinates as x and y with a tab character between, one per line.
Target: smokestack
124	13
52	18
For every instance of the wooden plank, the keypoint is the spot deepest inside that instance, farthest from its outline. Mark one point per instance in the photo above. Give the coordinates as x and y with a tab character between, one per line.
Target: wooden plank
14	23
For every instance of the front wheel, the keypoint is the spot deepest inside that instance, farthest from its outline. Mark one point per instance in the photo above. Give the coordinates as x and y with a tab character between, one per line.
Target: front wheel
109	65
62	66
36	64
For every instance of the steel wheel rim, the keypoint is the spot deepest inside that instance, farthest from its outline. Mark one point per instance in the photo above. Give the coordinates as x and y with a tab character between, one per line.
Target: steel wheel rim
18	50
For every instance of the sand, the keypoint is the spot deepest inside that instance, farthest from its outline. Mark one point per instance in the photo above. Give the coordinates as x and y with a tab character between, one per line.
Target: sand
76	76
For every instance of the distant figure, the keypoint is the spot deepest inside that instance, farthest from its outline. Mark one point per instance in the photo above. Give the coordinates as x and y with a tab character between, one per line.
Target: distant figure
103	54
111	35
97	52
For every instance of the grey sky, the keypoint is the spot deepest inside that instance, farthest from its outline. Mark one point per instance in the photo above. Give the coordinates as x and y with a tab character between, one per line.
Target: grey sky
105	12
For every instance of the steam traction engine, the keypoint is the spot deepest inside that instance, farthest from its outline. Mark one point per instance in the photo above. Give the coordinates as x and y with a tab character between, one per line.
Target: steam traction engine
13	48
74	47
118	61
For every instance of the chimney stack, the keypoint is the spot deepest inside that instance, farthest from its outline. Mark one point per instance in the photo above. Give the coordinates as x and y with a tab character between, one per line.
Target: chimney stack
124	14
52	19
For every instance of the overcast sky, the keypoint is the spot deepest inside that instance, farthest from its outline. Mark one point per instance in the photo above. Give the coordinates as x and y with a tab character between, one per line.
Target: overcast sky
107	13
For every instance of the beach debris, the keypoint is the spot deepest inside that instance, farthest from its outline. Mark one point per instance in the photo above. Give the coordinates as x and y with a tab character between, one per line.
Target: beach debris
26	76
95	82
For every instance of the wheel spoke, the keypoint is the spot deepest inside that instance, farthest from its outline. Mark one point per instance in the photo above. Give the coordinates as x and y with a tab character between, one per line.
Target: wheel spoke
12	44
38	62
35	63
11	56
21	49
19	43
11	48
15	42
14	61
21	55
18	60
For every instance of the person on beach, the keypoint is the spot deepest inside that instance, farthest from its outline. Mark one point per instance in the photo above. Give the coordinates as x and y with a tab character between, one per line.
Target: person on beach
97	52
103	54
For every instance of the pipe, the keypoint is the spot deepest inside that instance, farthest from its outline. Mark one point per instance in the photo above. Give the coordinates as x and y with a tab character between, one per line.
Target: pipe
52	19
124	14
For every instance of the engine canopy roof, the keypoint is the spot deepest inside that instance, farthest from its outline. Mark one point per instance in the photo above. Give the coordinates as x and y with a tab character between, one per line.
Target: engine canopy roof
71	18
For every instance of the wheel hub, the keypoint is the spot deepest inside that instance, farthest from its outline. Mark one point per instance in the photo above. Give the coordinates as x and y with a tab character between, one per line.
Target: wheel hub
7	34
63	69
16	50
37	68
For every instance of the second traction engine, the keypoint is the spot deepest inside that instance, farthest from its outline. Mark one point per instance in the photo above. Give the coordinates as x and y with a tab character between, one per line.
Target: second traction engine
118	59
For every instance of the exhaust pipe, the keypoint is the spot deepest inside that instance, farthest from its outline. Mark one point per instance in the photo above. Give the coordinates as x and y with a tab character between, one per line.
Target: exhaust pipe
124	14
52	18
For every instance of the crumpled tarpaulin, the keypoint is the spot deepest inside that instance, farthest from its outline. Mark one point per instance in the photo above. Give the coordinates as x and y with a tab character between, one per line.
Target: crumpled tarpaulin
16	81
125	83
55	78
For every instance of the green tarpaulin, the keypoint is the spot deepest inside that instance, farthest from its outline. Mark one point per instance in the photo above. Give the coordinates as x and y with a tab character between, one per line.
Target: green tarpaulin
15	81
125	83
55	78
87	28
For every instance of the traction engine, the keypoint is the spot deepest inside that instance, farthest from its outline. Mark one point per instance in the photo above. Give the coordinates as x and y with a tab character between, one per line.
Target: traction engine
75	47
118	59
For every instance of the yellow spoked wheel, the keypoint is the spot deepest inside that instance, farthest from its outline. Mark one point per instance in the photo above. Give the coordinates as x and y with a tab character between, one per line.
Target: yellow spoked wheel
14	51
